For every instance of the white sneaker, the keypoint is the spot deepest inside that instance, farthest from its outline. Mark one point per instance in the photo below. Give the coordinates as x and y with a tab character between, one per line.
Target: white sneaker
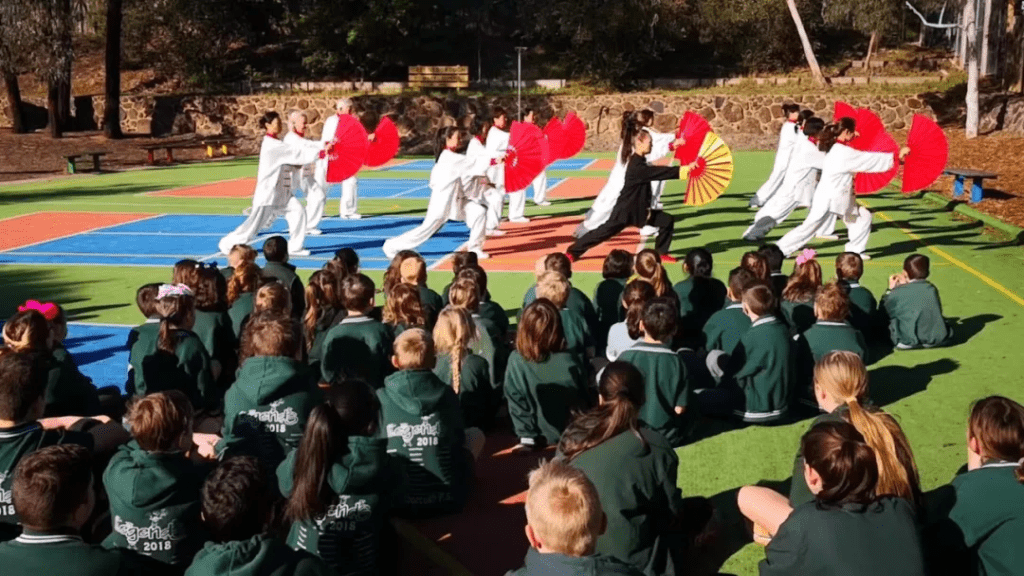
302	252
648	231
519	220
864	256
659	206
543	203
351	216
314	232
827	237
495	232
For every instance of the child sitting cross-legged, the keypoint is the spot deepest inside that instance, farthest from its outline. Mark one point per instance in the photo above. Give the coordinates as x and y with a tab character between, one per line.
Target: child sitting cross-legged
829	333
563	523
324	311
863	306
913	307
491	311
358	345
213	325
145	300
725	328
555	288
275	250
242	286
577	300
490	345
413	272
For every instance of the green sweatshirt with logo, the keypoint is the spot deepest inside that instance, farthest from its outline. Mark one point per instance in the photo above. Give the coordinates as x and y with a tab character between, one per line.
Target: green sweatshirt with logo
258	556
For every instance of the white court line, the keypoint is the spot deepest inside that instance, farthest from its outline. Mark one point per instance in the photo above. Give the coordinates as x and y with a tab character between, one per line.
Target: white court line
79	232
399	195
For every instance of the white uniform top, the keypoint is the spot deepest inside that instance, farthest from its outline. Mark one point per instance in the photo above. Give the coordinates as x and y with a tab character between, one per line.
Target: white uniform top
804	160
294	139
451	179
275	156
497	144
473	185
787	138
330	127
837	172
660	142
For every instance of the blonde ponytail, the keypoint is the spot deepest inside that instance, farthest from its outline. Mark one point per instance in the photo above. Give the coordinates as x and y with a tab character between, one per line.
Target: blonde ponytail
877	428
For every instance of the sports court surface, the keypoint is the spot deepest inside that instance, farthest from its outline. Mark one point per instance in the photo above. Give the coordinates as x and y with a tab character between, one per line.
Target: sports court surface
89	241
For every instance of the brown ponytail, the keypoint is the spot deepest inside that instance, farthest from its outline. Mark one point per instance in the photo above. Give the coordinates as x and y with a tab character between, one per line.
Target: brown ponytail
321	294
176	313
631	128
634	297
648	267
245	278
998	425
403	306
452	335
622	393
27	331
846	464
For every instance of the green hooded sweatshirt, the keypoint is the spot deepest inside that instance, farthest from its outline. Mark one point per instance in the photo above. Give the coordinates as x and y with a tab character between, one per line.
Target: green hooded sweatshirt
68	391
542	396
915	316
284	273
240	311
347	534
863	307
491	347
577	302
218	336
724	328
265	410
258	556
478	399
64	553
360	345
762	367
154	504
422	421
820	339
432	304
554	564
699	299
667	386
187	370
799	315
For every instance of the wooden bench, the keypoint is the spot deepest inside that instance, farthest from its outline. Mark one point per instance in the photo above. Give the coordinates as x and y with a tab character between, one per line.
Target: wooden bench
217	143
208	144
73	158
439	77
977	177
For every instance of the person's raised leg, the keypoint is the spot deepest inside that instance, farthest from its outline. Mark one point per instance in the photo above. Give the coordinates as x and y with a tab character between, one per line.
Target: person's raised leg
259	217
798	237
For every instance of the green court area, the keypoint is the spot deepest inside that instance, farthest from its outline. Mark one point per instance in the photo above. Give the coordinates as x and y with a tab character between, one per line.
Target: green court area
980	276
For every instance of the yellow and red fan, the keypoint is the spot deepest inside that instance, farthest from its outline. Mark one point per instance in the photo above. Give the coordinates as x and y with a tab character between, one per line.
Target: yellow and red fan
693	128
524	158
712	174
385	143
555	134
575	135
929	151
349	149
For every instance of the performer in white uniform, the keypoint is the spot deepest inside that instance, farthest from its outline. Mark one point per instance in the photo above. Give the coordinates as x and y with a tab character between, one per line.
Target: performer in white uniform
271	197
348	206
787	137
834	193
304	178
497	144
540	183
454	181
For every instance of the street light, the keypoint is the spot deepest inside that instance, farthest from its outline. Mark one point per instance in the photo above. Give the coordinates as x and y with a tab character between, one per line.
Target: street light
519	81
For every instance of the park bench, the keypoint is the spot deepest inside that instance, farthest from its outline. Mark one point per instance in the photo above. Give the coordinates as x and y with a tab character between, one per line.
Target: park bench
73	158
210	144
439	77
977	177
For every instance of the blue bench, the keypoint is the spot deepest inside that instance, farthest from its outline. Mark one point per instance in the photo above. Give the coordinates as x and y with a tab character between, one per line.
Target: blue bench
977	179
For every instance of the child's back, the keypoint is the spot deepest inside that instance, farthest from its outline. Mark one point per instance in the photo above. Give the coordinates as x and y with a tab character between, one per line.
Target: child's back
608	305
798	314
699	299
476	395
863	307
542	395
359	344
68	391
187	370
915	315
240	311
762	368
667	388
725	328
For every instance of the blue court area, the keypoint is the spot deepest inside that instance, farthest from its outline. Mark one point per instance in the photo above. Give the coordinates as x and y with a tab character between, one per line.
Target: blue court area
426	165
100	352
163	240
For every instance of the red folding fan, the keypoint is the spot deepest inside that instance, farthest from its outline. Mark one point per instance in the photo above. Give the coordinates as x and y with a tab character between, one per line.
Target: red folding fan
869	183
693	128
575	135
524	159
349	151
843	110
555	134
868	124
929	151
385	143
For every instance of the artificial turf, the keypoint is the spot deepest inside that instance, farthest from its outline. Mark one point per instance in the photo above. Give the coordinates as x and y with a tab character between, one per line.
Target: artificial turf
980	278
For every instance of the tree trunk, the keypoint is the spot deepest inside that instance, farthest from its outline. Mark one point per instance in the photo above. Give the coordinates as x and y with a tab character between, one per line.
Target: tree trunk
872	48
14	105
64	102
986	26
808	51
53	111
970	31
112	106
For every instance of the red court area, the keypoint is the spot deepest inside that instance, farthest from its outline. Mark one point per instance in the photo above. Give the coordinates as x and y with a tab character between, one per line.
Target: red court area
239	188
573	188
39	227
606	164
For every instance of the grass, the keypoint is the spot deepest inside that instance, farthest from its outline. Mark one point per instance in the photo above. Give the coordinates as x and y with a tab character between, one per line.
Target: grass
929	390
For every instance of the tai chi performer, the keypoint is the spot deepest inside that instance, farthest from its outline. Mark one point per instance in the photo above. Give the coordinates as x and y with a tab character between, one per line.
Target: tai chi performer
304	178
540	183
453	180
271	197
834	193
348	206
787	137
497	144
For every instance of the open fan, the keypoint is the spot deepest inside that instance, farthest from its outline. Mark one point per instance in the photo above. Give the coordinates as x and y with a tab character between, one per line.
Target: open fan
575	135
843	110
349	150
929	151
693	128
869	183
385	143
524	159
868	125
712	174
555	134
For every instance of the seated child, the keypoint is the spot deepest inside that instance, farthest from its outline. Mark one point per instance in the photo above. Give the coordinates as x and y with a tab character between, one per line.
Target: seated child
422	421
53	495
863	307
616	270
240	255
338	481
460	260
145	299
667	384
774	257
545	382
757	378
725	328
489	309
700	296
324	310
623	335
350	258
563	523
468	373
403	310
757	263
648	266
913	307
272	298
980	514
359	345
554	287
239	503
275	251
829	333
266	409
489	344
213	325
413	271
241	294
879	534
577	301
798	297
153	485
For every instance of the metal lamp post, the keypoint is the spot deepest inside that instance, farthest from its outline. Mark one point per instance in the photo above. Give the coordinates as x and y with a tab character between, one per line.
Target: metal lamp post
519	81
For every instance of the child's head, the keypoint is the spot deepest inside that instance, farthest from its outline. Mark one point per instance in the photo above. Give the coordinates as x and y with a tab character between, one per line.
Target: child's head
273	298
648	266
54	315
453	333
53	488
161	422
558	262
849	266
618	264
338	269
350	408
28	331
357	294
739	280
832	304
803	284
461	260
917	267
995	431
393	275
759	301
555	287
414	350
237	500
186	272
211	291
145	299
275	249
240	255
348	257
321	295
245	279
840	377
758	266
464	293
698	263
621	393
791	111
563	511
269	335
403	306
176	306
540	331
413	270
839	466
773	255
478	276
634	298
22	383
660	320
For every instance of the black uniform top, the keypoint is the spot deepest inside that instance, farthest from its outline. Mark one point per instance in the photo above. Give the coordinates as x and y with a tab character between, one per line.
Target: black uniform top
635	198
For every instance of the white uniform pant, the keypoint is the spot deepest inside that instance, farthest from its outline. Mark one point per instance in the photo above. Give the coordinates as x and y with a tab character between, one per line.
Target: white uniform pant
438	212
349	203
262	217
540	187
316	195
476	219
771	186
657	188
495	199
858	229
516	205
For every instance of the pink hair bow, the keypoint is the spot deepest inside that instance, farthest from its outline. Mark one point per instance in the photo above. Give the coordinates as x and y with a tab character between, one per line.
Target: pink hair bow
805	256
168	290
48	309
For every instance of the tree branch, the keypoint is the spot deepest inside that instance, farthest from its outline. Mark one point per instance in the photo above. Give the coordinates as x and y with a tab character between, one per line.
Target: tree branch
926	22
